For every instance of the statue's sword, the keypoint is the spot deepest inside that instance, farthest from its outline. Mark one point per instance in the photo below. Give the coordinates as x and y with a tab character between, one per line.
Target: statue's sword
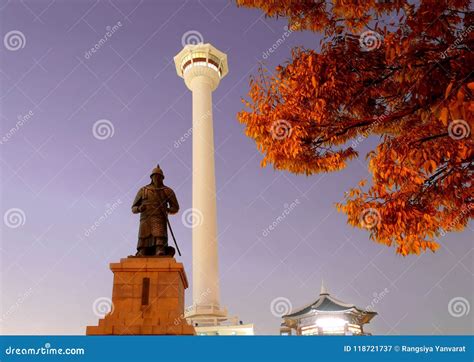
171	230
172	234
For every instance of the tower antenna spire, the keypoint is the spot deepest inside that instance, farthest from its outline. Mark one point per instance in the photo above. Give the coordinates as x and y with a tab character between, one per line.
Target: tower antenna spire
323	288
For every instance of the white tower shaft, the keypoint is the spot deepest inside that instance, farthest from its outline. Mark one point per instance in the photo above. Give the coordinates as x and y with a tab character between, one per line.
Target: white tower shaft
202	66
205	253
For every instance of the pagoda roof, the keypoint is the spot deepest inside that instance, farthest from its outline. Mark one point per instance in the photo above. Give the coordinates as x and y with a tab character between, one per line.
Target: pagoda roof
327	303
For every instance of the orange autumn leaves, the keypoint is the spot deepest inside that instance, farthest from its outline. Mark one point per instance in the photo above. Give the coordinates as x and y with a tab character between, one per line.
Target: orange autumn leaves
412	89
290	104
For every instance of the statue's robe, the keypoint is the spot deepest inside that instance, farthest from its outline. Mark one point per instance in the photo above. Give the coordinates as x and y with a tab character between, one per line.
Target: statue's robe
153	221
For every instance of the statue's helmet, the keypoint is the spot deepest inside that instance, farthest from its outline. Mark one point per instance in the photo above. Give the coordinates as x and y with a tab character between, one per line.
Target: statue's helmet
157	170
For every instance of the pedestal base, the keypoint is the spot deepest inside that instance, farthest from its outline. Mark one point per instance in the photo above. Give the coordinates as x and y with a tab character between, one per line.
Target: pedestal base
213	321
147	298
225	330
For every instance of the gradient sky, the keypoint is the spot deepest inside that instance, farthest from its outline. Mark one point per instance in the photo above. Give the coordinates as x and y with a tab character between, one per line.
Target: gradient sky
63	178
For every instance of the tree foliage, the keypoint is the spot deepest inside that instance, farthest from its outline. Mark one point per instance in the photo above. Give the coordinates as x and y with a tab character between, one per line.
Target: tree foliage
401	72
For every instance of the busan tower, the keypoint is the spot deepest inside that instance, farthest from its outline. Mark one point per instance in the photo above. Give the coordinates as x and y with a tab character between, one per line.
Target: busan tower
202	66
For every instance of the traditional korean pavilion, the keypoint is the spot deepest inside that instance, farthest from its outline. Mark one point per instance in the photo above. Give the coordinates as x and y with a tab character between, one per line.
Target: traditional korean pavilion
326	316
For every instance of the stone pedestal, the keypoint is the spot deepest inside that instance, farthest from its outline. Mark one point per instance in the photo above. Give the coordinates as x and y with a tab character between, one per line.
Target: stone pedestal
147	297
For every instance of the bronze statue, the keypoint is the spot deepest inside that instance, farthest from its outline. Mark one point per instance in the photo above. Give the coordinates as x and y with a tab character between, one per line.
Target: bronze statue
154	202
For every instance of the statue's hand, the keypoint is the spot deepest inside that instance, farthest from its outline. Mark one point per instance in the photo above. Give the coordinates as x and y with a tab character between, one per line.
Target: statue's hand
142	208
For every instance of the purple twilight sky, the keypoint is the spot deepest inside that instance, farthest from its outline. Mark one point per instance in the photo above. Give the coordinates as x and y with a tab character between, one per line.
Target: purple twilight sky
59	175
